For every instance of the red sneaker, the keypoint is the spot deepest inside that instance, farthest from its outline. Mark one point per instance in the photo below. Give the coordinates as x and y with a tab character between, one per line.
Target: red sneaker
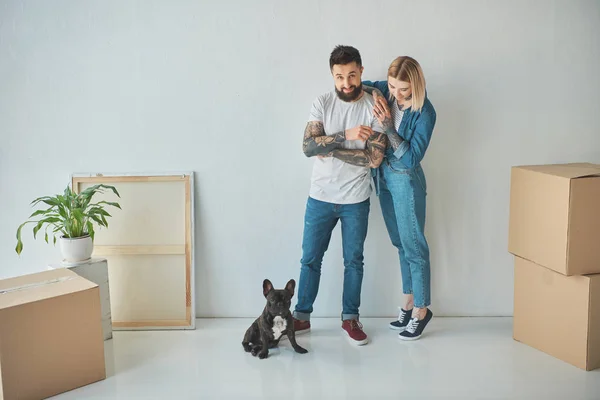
356	335
301	327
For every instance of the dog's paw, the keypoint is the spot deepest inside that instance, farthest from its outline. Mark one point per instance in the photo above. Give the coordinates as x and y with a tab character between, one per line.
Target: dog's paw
263	355
247	347
301	350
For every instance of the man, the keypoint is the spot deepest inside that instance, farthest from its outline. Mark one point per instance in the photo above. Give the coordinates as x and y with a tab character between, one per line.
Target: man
348	141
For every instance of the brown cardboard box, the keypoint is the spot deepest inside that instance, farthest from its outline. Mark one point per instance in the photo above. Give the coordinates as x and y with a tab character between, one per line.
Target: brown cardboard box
555	216
558	314
50	335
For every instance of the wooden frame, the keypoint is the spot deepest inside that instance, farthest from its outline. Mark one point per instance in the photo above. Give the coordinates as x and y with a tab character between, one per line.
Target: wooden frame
185	250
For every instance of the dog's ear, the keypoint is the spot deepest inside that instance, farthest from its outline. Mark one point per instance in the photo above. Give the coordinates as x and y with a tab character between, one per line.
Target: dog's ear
290	286
267	287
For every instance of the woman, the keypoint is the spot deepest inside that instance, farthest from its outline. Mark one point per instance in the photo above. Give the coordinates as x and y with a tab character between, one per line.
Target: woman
408	118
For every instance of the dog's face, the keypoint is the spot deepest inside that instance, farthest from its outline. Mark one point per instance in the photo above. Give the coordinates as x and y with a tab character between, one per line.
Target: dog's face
279	301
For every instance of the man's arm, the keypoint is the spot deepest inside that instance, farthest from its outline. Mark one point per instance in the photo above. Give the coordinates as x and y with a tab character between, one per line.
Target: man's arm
371	157
317	143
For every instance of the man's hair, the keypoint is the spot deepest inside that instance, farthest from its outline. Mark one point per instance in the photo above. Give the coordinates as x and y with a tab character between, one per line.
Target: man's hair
343	55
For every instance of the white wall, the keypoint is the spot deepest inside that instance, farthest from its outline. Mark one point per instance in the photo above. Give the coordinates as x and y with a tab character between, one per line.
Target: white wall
224	88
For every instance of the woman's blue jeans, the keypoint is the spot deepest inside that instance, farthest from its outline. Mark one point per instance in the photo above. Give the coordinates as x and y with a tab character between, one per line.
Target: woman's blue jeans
402	194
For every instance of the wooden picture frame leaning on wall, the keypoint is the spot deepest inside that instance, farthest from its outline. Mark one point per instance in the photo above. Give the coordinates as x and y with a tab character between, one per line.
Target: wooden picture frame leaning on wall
149	246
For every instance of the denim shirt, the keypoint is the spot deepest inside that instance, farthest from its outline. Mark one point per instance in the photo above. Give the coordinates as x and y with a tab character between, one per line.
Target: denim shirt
415	129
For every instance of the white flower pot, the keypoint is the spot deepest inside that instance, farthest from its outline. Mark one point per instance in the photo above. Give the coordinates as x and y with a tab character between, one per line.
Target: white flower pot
76	250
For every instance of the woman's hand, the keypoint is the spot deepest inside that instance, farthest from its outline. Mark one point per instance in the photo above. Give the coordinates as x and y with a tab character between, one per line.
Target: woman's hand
382	112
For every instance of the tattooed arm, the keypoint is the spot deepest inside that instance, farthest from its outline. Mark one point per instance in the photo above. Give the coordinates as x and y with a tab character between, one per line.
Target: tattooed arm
384	116
316	142
390	131
372	90
380	92
371	157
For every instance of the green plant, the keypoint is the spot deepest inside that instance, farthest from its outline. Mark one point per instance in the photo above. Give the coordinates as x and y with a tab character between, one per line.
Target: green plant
70	214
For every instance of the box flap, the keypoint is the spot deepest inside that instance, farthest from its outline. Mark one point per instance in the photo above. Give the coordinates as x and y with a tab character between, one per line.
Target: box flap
39	286
569	171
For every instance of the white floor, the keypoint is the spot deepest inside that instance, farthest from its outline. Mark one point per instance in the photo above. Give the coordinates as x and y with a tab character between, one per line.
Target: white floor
459	358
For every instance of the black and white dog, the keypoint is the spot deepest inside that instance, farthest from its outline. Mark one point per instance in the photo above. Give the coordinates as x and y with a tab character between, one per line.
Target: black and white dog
274	322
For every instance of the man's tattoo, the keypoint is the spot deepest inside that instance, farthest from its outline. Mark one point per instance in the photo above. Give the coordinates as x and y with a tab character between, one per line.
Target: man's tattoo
316	142
370	157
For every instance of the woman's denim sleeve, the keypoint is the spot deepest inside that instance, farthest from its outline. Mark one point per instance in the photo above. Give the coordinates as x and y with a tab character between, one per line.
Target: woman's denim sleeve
412	150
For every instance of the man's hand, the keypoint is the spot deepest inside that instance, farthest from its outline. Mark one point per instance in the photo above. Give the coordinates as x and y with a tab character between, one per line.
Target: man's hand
360	132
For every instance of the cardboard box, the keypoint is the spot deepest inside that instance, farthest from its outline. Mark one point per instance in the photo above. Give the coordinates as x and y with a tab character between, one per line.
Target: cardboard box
558	314
555	216
50	335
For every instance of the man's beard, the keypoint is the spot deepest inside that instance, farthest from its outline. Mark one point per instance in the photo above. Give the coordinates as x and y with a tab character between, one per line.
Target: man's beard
353	95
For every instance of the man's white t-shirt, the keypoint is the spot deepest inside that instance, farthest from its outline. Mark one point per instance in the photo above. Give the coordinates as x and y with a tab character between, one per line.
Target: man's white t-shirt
333	180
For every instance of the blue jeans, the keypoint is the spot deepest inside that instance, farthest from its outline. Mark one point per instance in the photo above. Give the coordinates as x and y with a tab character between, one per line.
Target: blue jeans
402	194
319	220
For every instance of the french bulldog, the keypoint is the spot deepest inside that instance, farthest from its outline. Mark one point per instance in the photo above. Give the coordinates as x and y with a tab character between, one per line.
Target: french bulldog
275	321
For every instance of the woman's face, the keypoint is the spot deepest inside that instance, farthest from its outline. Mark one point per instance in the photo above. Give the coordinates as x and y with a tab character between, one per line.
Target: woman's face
399	89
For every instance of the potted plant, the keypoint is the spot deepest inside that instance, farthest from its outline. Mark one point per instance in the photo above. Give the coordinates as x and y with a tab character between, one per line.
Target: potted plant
71	216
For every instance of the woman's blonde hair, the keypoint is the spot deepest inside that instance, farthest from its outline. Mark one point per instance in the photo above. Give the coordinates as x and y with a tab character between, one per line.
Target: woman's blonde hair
407	69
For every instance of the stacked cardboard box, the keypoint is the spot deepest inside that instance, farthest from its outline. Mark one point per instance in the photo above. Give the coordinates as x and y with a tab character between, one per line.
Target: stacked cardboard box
554	234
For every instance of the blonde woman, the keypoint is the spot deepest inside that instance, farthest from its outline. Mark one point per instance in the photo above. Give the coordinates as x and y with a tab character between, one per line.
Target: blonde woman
408	118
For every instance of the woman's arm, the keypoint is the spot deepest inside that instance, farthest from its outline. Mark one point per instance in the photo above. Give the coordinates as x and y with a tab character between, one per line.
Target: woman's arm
381	95
412	152
382	86
382	112
390	131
